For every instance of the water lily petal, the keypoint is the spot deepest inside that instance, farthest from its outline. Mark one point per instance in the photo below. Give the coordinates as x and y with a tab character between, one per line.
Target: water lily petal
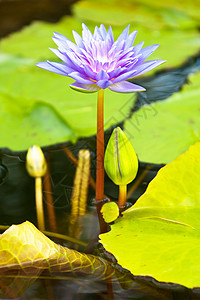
103	31
126	87
78	39
86	33
86	88
103	84
130	39
97	33
148	66
62	44
124	76
102	75
68	61
75	60
60	36
80	78
123	36
108	44
110	32
118	47
137	48
147	51
61	55
73	47
58	68
115	73
89	72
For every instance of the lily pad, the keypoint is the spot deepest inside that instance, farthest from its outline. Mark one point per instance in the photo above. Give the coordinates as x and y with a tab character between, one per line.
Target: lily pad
25	252
161	131
187	7
33	41
156	14
160	235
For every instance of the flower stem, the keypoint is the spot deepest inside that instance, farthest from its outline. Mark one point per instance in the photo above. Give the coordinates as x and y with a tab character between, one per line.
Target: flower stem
100	160
49	198
122	196
39	203
100	147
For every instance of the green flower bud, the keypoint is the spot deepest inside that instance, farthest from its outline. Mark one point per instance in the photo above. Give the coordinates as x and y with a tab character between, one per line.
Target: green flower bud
35	162
110	212
121	163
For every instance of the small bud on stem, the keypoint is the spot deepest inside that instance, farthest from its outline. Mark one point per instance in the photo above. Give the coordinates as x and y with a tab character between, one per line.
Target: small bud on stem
36	167
121	163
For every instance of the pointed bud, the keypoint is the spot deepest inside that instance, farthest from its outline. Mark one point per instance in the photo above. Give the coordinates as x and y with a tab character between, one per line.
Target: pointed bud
121	163
35	162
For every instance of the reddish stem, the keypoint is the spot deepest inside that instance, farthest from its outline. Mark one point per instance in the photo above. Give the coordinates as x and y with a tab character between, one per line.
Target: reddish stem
49	198
100	159
100	147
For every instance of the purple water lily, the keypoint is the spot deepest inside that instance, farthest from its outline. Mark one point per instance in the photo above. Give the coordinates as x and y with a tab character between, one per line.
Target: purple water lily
98	62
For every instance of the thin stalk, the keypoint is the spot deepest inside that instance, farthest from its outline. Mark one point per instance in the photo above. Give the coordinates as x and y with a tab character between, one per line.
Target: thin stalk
54	235
49	198
80	193
71	156
100	160
65	238
100	147
39	203
122	196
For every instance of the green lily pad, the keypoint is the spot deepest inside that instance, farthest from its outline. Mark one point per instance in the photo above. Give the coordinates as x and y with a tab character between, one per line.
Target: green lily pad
157	15
160	235
33	41
161	131
22	126
39	107
187	7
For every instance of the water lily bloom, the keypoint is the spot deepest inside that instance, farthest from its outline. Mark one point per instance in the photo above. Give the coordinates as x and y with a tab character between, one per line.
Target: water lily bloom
98	62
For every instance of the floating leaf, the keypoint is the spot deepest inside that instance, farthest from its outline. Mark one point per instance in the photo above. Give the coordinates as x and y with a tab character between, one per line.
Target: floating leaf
34	41
187	7
157	15
25	252
161	131
159	236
